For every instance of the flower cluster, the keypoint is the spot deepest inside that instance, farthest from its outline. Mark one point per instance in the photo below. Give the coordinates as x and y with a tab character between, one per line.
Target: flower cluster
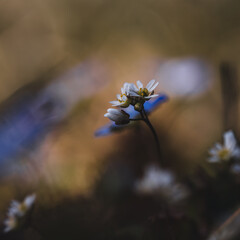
159	182
130	95
18	210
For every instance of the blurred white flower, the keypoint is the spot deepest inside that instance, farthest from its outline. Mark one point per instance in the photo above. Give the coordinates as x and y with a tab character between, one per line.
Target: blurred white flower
224	152
160	182
144	93
118	116
10	223
18	210
122	99
185	76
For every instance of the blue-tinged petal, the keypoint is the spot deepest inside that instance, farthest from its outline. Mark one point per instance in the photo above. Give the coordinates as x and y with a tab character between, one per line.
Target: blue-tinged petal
108	129
33	111
149	106
152	104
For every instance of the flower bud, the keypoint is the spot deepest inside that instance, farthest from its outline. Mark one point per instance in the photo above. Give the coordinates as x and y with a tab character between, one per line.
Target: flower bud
120	117
138	106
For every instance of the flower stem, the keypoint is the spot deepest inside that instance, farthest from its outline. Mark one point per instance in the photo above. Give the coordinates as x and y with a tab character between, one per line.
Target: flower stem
136	119
147	121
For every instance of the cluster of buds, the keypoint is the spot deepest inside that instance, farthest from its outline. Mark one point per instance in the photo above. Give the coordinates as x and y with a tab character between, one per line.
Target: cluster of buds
17	211
130	95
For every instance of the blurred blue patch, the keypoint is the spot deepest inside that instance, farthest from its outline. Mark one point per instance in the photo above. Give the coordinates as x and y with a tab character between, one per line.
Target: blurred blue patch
149	106
33	111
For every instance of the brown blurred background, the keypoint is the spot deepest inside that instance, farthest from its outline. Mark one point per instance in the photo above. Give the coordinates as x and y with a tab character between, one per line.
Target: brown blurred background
131	39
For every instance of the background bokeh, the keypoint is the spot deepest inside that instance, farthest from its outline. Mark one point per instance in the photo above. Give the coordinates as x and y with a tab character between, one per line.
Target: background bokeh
79	53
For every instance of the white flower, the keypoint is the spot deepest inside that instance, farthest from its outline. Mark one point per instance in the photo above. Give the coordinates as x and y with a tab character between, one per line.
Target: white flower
122	99
160	182
17	210
20	208
144	93
185	76
118	116
153	179
226	151
10	223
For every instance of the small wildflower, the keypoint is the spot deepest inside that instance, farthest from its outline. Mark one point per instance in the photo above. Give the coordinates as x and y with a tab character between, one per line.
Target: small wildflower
181	77
143	93
17	210
20	208
160	182
122	99
149	107
118	116
224	152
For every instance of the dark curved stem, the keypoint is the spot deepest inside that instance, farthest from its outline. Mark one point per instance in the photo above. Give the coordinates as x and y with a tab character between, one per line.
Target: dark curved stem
147	121
137	119
142	115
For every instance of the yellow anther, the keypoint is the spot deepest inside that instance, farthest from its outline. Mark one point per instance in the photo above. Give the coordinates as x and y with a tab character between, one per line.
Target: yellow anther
143	92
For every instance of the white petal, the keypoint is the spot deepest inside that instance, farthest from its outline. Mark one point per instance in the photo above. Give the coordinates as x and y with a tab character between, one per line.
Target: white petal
111	117
139	84
154	95
125	86
213	159
116	115
153	87
124	98
29	200
115	103
113	111
229	140
213	151
132	87
149	85
14	208
218	146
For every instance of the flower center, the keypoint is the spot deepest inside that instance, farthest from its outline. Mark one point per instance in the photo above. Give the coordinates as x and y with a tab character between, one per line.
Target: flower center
123	98
224	154
22	208
143	92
